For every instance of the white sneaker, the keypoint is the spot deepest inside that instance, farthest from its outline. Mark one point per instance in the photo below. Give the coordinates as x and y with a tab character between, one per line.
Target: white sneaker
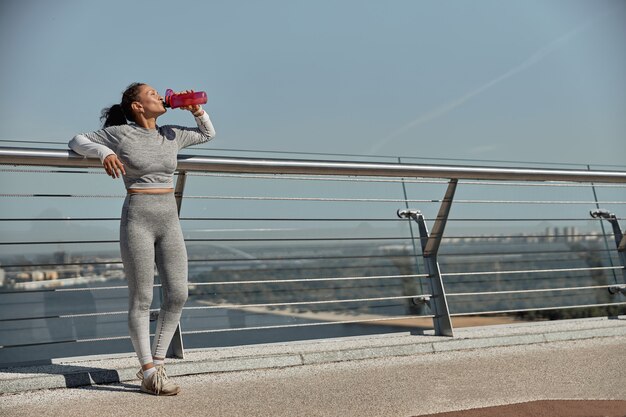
158	383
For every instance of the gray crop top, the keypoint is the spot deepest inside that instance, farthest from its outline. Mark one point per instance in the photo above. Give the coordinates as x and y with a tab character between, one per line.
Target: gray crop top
148	155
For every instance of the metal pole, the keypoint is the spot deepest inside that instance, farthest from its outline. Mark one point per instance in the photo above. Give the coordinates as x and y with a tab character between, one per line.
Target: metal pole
606	241
66	158
176	349
430	247
619	243
413	308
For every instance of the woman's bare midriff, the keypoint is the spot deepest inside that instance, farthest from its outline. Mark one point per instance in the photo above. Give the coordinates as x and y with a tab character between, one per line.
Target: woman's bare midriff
150	190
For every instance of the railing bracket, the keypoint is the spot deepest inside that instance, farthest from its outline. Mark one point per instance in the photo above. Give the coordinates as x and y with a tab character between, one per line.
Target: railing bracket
421	300
408	214
619	243
430	246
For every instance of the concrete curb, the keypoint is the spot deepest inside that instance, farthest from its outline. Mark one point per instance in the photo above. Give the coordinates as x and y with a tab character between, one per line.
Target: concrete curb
79	373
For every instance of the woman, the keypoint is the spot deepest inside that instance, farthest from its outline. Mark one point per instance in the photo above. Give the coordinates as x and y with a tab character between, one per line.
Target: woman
145	154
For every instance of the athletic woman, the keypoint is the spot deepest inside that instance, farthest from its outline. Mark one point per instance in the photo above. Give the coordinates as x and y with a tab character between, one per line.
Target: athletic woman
131	144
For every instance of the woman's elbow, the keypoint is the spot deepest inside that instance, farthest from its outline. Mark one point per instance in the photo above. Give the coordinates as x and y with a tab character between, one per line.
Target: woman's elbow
78	144
209	135
73	143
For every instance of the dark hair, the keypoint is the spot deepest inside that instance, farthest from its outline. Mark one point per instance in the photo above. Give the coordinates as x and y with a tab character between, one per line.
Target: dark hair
118	114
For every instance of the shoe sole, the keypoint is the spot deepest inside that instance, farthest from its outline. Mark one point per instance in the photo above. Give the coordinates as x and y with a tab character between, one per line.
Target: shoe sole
162	394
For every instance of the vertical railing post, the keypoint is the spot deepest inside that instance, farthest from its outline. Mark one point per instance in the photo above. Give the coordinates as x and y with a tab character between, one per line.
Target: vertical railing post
176	349
430	247
620	243
408	284
606	240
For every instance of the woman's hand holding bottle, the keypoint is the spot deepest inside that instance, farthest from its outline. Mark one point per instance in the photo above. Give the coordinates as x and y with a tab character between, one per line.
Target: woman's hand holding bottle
186	100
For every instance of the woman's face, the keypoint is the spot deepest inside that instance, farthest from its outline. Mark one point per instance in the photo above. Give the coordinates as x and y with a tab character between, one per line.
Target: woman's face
151	102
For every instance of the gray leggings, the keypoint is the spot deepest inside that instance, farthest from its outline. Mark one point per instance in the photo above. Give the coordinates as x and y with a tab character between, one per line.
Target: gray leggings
150	231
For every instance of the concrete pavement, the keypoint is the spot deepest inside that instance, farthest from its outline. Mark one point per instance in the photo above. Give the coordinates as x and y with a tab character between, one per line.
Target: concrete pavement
374	376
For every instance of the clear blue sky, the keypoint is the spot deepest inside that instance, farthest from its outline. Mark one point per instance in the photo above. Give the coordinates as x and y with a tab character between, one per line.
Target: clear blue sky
509	80
541	81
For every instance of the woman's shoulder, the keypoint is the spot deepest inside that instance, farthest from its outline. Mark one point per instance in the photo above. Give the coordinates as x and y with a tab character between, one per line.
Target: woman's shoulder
118	129
170	132
121	132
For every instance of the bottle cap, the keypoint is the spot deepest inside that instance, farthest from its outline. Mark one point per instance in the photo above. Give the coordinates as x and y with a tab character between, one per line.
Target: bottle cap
168	97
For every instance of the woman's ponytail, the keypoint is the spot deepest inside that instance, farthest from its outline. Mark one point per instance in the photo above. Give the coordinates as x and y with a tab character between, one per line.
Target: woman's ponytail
119	114
113	116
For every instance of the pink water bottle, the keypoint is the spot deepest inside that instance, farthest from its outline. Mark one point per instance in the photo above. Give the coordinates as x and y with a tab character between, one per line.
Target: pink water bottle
183	99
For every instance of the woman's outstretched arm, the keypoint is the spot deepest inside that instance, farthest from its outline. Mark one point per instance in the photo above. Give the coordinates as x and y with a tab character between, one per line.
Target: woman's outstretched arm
83	146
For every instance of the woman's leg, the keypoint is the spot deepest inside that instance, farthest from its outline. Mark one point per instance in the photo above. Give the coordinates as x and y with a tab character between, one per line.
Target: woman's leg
171	260
137	248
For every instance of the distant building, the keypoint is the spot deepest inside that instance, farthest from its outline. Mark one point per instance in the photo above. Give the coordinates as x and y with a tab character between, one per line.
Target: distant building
69	271
23	276
61	257
50	275
571	234
37	275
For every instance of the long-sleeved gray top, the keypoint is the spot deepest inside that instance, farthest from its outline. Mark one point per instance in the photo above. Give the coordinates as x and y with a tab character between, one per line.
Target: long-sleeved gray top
148	155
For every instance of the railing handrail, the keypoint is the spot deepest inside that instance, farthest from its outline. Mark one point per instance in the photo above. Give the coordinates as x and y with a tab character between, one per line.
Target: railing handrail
348	294
68	158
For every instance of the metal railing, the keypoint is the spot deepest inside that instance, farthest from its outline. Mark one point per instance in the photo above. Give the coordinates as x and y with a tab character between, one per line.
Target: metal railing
393	271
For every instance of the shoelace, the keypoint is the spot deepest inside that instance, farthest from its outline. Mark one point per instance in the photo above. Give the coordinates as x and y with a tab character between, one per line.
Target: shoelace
160	378
157	382
161	370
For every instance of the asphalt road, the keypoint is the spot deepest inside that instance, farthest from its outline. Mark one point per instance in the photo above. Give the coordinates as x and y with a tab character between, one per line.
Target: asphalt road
401	386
